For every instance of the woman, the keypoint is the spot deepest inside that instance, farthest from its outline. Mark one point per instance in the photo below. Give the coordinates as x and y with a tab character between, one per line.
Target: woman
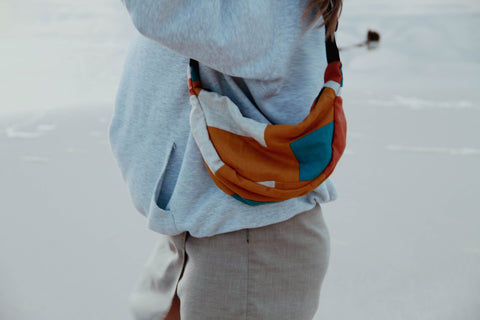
217	257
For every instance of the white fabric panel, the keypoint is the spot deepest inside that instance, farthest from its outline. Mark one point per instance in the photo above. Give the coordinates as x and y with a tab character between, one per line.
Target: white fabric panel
270	184
334	85
222	113
198	126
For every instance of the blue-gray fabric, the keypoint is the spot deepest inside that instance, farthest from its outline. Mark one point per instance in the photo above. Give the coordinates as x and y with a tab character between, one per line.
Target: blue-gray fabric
259	54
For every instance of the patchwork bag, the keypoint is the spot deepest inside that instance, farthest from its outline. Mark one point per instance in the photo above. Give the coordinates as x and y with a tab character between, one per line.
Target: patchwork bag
259	163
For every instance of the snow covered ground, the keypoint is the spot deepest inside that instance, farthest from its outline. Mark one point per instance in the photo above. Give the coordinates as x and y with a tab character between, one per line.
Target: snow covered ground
405	231
58	54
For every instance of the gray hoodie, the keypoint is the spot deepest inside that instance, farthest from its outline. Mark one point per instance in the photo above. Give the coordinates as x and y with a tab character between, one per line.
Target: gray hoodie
256	52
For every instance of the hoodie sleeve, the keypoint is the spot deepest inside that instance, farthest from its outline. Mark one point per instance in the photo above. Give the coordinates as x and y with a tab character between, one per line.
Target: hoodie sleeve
234	37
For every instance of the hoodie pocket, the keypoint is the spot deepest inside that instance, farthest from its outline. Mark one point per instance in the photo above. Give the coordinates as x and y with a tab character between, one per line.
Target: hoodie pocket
162	193
159	217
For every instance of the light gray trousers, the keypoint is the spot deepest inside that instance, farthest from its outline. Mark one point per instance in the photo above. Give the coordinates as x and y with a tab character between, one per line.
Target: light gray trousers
274	272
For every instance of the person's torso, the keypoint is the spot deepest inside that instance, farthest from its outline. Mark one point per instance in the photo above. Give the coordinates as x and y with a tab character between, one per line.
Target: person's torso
151	140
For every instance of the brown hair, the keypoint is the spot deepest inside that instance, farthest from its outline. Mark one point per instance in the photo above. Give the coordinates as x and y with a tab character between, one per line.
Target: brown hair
328	9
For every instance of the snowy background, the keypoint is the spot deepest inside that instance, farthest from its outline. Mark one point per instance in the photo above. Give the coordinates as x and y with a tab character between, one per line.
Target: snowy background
405	231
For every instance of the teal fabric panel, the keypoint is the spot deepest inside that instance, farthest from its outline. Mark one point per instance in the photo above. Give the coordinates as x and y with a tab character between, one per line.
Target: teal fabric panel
314	152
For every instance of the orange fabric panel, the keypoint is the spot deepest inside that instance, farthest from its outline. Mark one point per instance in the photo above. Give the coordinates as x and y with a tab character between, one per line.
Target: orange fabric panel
291	185
339	137
194	87
253	191
321	115
262	164
340	131
244	188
